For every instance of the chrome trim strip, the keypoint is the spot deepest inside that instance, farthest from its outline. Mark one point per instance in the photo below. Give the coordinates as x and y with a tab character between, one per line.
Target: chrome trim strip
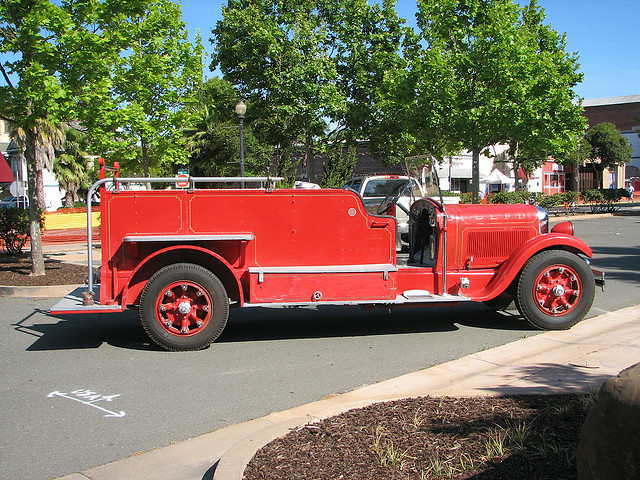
385	268
186	238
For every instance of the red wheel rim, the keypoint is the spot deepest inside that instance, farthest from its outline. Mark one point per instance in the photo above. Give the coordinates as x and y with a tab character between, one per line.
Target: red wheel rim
557	290
183	308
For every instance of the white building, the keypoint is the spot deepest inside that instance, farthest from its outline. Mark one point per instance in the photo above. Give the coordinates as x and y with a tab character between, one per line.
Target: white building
53	195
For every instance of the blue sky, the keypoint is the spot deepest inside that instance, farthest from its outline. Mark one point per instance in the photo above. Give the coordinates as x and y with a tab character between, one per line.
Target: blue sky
604	33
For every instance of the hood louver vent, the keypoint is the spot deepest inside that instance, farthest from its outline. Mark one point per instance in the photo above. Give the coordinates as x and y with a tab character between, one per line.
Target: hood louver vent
489	248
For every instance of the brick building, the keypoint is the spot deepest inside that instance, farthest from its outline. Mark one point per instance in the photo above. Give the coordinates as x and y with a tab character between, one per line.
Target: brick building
624	113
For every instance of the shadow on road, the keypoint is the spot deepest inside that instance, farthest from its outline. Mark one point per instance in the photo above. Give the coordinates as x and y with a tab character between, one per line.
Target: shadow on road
124	330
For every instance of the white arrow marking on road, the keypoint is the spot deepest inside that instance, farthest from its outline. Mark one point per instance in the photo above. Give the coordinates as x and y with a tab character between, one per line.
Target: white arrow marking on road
109	412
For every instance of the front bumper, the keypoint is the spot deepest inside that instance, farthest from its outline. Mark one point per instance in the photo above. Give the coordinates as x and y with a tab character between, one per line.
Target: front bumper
598	277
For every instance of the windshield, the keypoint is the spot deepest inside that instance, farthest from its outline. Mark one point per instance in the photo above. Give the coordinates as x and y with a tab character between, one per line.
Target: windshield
423	167
430	182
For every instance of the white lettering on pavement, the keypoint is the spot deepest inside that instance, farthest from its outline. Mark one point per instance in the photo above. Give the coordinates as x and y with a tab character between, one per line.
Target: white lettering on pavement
90	398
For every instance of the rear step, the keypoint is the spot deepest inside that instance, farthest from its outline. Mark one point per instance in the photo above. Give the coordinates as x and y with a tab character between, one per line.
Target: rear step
73	302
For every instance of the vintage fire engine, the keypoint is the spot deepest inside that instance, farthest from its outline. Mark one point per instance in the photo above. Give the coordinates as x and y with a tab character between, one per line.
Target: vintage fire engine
184	257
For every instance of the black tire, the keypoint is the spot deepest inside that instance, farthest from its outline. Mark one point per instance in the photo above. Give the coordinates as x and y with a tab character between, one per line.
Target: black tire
555	290
184	307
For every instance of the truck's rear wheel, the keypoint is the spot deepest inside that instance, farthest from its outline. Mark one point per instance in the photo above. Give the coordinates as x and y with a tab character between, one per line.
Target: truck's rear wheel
555	290
184	307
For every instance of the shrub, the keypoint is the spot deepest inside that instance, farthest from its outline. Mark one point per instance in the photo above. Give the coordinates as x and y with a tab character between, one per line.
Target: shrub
570	197
548	201
14	229
509	197
604	200
466	197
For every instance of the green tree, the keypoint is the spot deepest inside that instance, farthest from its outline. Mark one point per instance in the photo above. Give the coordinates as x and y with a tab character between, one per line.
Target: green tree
486	73
71	166
58	55
340	164
308	67
545	117
608	148
368	39
213	138
277	52
153	83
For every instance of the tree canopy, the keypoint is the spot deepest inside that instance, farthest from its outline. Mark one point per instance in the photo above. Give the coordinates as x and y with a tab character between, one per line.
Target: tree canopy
212	139
153	84
492	72
58	61
123	69
309	68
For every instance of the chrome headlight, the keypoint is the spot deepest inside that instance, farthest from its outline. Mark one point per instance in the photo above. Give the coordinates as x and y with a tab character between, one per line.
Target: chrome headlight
543	220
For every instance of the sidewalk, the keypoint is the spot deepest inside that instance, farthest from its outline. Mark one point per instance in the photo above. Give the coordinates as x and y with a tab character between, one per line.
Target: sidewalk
572	361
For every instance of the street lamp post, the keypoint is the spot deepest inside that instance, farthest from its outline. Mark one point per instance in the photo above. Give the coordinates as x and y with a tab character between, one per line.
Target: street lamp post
241	109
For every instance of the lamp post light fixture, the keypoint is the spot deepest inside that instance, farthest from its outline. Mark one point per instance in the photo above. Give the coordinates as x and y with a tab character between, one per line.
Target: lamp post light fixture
241	109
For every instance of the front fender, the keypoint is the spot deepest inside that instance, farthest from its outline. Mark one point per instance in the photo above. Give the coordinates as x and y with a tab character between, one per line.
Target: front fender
509	270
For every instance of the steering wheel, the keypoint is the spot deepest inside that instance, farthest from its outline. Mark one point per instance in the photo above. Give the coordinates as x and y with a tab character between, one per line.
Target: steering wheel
392	199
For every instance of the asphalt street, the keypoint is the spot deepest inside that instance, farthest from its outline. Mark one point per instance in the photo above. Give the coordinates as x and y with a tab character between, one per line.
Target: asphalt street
80	391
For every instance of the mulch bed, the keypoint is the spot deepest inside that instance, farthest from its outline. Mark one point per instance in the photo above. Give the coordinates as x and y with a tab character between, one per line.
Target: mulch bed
15	271
516	437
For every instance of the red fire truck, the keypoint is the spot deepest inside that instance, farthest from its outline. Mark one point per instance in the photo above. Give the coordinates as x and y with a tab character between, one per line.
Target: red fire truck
184	257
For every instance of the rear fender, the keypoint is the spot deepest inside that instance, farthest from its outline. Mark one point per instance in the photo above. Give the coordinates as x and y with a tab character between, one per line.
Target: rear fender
186	253
510	269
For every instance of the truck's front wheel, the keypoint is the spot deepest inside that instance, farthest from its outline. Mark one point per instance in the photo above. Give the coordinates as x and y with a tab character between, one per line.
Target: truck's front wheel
555	290
184	307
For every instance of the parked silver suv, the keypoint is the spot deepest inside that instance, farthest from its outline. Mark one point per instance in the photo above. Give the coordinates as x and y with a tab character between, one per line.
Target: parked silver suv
375	188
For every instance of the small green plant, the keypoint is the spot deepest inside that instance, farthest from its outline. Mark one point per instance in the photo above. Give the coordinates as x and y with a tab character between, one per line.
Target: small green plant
517	435
387	452
495	445
548	201
466	197
14	229
509	197
418	419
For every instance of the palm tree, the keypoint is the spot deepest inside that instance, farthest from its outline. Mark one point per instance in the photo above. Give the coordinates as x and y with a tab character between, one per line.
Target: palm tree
71	165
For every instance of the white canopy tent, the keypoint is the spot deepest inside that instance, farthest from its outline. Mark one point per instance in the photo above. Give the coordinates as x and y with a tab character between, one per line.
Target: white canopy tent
496	176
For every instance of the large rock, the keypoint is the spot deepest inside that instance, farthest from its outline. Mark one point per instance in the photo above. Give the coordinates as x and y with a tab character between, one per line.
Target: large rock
610	438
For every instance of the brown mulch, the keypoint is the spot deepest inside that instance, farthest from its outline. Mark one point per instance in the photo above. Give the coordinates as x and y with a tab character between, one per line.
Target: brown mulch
515	437
15	271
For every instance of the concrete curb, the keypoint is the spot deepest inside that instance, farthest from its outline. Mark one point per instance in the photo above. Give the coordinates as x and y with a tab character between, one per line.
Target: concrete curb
44	291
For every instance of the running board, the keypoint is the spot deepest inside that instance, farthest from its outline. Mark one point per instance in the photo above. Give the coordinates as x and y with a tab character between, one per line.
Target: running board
407	298
73	302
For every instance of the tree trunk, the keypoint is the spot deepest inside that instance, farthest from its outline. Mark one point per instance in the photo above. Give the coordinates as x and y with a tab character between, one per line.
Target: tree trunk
598	174
145	161
68	200
516	171
311	173
37	259
475	175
